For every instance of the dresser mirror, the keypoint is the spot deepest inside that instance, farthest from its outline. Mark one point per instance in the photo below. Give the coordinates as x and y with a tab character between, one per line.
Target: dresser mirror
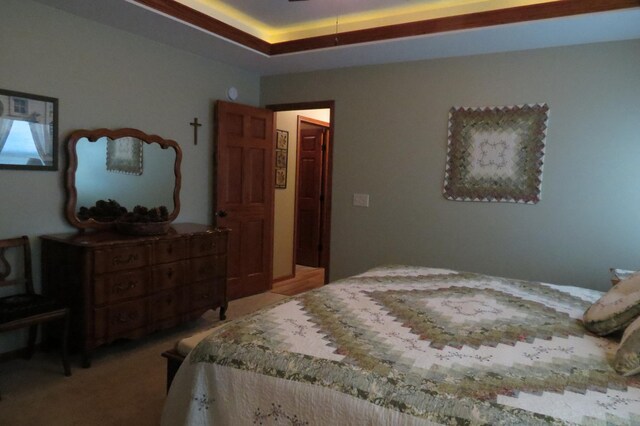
124	168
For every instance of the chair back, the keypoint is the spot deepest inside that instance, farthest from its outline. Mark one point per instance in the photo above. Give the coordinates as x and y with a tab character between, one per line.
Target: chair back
8	263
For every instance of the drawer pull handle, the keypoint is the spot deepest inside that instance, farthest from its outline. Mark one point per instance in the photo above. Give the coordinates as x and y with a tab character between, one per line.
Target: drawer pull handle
206	295
122	260
208	246
170	273
125	286
124	317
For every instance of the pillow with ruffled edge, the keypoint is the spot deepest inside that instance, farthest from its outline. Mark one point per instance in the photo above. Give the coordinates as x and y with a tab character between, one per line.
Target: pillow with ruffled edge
616	309
627	360
618	275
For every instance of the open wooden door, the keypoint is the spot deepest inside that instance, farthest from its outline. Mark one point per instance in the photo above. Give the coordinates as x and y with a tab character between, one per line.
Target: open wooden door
244	194
312	144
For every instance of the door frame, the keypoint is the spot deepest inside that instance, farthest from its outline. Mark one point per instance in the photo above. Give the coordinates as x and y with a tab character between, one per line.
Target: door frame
325	238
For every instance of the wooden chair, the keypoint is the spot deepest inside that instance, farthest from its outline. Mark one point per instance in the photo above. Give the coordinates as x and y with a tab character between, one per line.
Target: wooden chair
28	309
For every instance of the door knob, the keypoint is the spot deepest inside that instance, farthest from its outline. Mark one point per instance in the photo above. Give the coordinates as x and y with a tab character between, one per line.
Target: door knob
221	213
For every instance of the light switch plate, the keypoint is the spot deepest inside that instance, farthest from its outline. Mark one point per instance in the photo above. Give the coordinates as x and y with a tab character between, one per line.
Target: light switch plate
361	200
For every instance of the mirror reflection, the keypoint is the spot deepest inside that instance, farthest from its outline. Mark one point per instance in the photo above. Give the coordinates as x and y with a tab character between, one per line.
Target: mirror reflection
97	178
113	172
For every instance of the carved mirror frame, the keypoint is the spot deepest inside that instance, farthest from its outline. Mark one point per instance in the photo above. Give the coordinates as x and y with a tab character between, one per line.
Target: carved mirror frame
71	207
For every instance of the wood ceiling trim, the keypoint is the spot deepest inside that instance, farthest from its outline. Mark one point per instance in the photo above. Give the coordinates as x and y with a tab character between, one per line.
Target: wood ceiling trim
557	9
454	23
206	22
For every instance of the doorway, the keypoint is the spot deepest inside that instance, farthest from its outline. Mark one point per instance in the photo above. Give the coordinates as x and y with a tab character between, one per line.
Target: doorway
302	225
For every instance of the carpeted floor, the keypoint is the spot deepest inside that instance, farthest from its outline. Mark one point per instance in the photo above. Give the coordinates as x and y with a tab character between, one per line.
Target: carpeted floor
124	386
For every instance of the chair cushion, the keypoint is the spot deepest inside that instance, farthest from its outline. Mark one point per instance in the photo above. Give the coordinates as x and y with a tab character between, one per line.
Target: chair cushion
20	306
616	309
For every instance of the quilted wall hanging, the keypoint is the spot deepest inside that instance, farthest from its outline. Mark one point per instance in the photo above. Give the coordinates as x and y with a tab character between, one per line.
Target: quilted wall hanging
496	154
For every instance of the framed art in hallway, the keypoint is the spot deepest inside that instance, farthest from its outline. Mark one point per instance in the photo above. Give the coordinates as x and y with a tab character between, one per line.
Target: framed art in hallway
282	139
282	151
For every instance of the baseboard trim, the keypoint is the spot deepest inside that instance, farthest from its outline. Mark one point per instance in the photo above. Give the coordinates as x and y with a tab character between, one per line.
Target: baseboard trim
283	278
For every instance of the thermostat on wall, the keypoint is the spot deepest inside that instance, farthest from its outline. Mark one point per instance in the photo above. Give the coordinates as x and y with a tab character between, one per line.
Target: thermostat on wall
232	93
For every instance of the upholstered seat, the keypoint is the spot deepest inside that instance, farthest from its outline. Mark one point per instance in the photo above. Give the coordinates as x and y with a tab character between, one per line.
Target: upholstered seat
25	305
26	308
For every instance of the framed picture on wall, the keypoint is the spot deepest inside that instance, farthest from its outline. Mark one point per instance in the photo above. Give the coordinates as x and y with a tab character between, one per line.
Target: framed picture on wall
282	139
28	131
496	154
282	152
281	178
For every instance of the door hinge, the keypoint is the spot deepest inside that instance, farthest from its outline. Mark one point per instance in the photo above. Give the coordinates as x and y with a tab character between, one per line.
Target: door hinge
321	197
324	147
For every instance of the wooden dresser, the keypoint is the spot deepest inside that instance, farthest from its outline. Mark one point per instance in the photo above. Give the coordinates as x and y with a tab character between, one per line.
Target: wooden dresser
121	286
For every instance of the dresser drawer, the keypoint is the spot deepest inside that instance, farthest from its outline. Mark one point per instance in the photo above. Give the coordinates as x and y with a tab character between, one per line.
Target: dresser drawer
168	276
203	295
118	286
167	304
203	268
208	244
120	318
166	251
121	258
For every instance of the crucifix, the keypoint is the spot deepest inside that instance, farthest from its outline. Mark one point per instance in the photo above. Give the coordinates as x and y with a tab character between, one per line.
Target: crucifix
195	125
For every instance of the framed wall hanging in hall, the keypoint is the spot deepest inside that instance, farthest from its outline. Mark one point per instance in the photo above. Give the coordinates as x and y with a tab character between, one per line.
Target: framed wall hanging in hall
282	151
496	153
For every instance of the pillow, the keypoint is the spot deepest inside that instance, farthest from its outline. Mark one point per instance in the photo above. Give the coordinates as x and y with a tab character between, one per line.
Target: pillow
616	309
627	360
618	275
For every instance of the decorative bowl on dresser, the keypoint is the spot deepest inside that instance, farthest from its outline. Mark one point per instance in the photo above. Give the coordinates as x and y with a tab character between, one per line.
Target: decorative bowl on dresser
120	286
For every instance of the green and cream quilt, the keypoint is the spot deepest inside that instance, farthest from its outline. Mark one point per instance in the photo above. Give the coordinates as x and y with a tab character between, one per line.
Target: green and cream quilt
409	346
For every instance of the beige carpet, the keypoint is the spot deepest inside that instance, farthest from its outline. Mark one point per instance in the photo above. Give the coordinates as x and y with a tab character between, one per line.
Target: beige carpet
124	386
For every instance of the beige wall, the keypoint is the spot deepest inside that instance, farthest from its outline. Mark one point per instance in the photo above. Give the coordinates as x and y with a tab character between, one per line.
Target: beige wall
390	142
104	77
285	198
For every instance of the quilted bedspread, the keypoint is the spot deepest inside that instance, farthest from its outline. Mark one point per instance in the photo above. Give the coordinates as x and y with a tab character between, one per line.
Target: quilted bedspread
408	346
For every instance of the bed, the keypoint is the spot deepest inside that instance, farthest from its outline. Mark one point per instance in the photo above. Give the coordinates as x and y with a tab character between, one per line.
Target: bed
408	346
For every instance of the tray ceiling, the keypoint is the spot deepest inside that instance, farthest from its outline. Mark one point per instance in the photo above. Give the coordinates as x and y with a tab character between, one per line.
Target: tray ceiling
280	20
212	35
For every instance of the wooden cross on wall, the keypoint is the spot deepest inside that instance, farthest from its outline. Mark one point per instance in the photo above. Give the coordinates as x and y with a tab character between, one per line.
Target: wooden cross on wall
195	125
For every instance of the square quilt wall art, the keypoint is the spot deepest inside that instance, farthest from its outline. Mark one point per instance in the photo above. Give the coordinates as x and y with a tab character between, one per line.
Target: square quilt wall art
496	154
